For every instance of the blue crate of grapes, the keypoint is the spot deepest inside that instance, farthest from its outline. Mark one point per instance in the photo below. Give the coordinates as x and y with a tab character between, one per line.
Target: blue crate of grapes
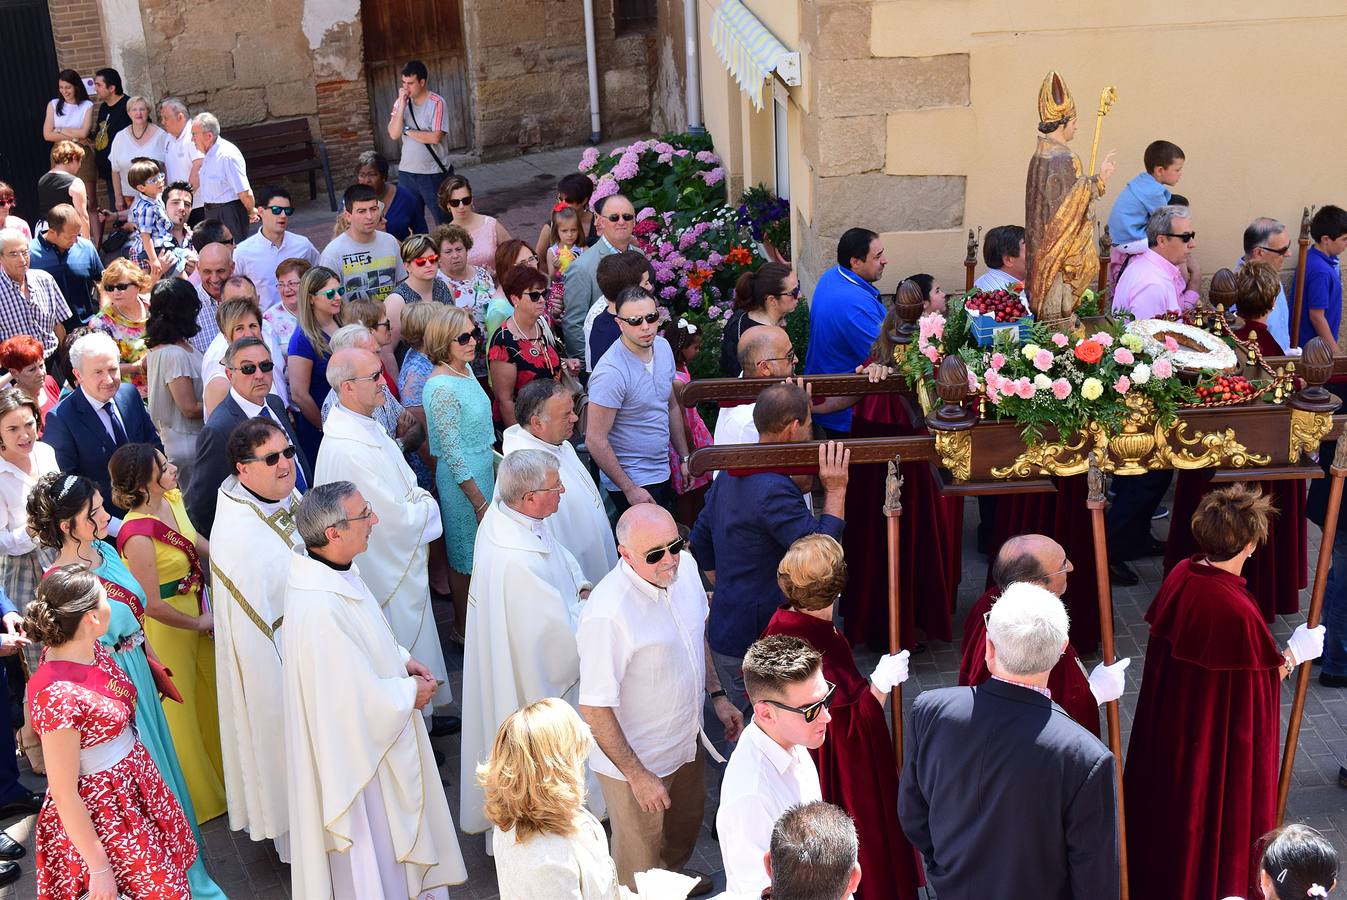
993	313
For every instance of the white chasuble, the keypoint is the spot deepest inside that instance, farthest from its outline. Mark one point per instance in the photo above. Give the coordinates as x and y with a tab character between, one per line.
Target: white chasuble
350	725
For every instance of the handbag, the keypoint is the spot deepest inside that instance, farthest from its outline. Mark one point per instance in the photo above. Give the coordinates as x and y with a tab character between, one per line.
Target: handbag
163	680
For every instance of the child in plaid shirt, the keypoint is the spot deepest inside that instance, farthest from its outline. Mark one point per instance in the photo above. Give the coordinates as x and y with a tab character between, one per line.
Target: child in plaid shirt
152	222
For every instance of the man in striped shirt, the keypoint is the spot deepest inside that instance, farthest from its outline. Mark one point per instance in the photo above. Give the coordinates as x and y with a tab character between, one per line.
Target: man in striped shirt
418	120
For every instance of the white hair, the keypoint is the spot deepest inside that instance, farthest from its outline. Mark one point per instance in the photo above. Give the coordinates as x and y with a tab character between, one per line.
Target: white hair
94	342
12	234
522	471
1028	626
208	123
353	335
174	104
340	370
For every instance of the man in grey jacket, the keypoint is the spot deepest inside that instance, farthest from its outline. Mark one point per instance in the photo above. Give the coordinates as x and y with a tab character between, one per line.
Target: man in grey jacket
616	217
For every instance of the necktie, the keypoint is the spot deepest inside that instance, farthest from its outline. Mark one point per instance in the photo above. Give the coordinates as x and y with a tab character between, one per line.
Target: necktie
118	432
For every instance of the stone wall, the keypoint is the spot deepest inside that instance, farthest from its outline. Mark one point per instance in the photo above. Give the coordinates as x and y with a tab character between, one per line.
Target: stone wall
77	29
668	81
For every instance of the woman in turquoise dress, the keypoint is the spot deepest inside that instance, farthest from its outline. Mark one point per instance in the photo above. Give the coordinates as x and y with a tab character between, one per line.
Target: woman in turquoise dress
458	425
66	513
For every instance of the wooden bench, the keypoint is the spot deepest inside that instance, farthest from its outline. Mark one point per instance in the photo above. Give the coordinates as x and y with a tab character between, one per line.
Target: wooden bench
276	149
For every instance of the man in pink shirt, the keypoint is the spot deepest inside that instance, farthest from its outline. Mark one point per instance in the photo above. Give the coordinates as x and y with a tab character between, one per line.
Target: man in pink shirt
1165	278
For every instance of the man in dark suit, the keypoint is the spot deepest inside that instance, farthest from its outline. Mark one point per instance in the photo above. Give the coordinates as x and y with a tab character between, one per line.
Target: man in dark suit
248	368
1003	793
96	418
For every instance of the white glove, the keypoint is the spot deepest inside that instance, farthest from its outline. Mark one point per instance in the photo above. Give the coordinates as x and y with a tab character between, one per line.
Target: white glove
1306	643
1108	682
889	671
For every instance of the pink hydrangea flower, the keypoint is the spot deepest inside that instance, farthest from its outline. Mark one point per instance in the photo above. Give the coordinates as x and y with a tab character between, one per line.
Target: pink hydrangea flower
1060	339
972	381
606	187
1162	368
1171	345
1061	389
647	212
1024	389
713	177
1123	384
706	156
998	360
1123	357
589	159
1043	360
1102	338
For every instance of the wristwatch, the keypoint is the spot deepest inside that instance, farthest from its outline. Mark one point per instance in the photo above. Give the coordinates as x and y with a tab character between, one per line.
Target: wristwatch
717	693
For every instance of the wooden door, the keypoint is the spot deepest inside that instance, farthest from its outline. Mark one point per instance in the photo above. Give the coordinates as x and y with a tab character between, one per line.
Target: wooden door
28	72
429	30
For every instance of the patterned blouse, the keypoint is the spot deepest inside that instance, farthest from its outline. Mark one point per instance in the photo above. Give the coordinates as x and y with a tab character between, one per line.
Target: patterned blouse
130	337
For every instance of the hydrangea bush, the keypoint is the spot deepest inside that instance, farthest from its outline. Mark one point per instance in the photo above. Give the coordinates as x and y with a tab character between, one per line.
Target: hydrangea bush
675	173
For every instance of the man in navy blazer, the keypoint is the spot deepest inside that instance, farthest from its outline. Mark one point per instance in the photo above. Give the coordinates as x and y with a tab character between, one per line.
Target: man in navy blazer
248	368
96	418
1004	794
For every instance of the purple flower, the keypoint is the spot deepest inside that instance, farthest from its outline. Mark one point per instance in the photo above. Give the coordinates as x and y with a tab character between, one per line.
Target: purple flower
589	158
665	248
646	213
606	187
713	312
713	177
694	298
669	292
715	259
706	156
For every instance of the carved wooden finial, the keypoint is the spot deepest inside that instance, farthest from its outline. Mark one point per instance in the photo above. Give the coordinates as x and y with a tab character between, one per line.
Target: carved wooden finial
1221	294
1316	367
893	487
908	302
1094	480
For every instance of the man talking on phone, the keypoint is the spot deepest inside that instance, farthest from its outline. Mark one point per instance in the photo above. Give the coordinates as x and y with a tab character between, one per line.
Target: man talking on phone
418	120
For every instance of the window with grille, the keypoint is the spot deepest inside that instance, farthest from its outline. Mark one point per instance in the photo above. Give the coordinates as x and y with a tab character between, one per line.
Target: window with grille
633	15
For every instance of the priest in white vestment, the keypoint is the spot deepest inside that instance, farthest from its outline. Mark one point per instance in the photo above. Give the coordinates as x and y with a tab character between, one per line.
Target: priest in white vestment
356	448
523	609
369	819
254	541
546	411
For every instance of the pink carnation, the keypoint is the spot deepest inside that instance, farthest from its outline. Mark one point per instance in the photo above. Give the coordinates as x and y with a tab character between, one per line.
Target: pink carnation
998	360
993	395
1061	389
972	381
1162	368
1060	339
1102	338
1024	389
931	326
1123	384
931	353
1123	357
1043	360
1170	344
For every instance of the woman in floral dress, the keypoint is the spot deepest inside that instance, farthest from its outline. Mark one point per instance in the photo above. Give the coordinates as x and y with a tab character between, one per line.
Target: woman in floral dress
122	315
473	287
109	824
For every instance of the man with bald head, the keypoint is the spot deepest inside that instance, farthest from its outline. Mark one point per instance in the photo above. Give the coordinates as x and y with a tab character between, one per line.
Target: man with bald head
764	352
1038	559
214	267
644	674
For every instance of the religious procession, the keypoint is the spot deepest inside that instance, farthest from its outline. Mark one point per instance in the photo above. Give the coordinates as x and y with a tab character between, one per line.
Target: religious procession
624	527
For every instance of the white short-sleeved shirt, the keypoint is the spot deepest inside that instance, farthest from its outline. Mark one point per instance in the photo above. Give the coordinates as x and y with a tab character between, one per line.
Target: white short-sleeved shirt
179	155
224	174
258	258
642	654
735	425
124	149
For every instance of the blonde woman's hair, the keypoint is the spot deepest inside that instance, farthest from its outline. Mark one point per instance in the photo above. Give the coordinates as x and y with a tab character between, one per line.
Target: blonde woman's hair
122	271
417	245
442	330
416	317
535	779
363	311
230	313
812	573
314	281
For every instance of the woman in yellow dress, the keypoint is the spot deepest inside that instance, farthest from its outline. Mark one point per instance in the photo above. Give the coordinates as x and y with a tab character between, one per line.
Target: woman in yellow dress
168	558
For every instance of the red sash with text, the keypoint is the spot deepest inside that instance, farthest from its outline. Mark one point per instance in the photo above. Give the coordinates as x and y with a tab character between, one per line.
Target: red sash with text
93	677
157	530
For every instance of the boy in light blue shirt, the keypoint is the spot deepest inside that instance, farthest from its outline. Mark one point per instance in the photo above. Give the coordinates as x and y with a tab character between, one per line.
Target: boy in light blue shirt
1142	196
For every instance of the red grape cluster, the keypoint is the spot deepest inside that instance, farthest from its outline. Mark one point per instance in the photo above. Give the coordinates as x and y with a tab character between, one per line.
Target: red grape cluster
1001	305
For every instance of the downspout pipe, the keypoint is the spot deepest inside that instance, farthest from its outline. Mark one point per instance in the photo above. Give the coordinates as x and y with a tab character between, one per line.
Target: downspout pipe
694	72
592	61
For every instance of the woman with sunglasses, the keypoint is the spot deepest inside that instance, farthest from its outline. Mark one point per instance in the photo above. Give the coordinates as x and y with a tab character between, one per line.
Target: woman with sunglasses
173	370
460	433
523	348
421	257
9	203
455	196
764	297
855	763
320	296
123	313
167	558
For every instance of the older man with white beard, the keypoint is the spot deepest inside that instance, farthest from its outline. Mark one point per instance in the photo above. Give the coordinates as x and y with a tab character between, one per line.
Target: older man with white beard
523	603
546	411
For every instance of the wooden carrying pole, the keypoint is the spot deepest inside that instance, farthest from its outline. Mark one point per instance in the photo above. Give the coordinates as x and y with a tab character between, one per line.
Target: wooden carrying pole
893	512
1096	502
1298	301
1336	472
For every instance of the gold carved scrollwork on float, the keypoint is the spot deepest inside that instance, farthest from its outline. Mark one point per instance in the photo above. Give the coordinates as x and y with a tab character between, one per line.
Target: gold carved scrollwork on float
1307	430
956	452
1221	449
1060	458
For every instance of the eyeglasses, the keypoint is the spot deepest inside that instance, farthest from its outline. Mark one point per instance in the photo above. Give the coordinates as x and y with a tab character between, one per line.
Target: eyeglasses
790	357
122	286
461	201
331	293
794	292
288	285
811	711
369	511
1282	251
272	458
556	490
530	260
673	548
1184	236
468	336
621	217
635	321
384	324
248	368
535	296
373	376
431	260
279	210
21	253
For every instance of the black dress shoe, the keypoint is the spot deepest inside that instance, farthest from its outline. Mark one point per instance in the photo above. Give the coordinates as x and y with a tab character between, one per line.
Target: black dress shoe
1333	681
1149	547
10	849
26	804
9	873
1121	574
439	757
443	726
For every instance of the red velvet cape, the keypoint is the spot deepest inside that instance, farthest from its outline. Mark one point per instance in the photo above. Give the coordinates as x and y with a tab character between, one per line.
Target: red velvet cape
1201	776
930	534
1068	682
1279	569
1064	517
856	768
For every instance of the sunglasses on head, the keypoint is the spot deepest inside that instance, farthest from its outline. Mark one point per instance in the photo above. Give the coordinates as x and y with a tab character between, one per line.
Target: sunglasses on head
431	260
535	296
272	458
634	321
265	365
621	217
811	711
277	210
461	201
673	549
121	286
463	339
331	293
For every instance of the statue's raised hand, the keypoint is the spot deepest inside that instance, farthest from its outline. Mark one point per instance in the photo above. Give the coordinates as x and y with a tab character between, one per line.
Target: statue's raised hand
1108	166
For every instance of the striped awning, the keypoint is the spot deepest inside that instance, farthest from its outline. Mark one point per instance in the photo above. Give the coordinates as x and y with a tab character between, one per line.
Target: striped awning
750	51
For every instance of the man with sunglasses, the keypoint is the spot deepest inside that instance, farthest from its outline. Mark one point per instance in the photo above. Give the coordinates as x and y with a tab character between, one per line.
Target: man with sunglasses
644	671
250	371
1004	795
618	218
259	255
771	769
1164	279
1266	240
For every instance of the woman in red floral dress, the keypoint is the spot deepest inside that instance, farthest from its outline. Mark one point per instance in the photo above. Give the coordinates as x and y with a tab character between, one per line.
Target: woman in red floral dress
109	823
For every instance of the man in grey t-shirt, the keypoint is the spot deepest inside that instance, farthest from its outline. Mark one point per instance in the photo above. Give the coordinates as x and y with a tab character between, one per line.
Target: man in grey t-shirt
367	260
418	121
